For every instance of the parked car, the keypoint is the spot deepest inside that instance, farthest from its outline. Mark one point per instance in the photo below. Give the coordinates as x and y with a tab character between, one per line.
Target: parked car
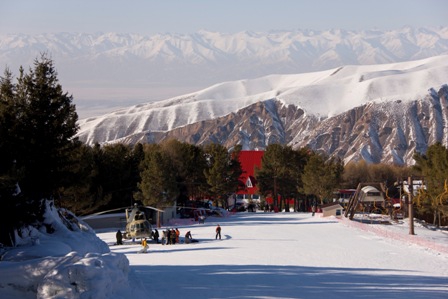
239	207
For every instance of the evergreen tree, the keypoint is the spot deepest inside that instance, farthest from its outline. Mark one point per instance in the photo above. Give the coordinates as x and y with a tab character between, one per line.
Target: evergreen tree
46	125
158	186
268	175
37	129
298	160
434	167
222	173
8	111
280	173
322	176
80	195
189	164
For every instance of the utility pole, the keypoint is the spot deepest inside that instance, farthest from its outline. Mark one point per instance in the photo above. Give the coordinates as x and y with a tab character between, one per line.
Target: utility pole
411	207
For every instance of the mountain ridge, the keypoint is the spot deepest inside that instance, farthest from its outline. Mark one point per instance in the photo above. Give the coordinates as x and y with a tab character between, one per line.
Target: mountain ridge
373	95
379	113
133	68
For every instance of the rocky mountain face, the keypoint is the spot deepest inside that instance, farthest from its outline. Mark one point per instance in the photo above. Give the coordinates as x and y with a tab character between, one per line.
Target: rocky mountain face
388	132
382	124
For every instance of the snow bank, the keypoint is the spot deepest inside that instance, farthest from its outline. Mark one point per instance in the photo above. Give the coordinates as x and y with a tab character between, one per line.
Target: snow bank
397	232
70	262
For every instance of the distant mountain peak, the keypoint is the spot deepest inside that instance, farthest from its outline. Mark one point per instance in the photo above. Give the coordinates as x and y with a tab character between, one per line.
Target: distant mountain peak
326	86
107	66
309	109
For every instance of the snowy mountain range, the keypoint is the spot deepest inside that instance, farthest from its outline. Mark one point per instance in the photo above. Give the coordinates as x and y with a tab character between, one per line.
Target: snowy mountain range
111	70
369	95
379	113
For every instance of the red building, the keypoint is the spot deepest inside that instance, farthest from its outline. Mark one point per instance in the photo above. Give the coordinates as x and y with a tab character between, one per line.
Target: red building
249	161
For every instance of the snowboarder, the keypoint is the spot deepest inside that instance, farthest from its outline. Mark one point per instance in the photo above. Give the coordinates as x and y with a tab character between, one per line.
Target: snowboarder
218	232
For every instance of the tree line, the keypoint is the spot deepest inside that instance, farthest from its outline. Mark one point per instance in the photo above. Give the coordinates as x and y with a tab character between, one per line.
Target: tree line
40	158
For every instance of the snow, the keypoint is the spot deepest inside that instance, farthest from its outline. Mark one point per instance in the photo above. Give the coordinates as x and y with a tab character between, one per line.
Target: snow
324	93
261	255
109	69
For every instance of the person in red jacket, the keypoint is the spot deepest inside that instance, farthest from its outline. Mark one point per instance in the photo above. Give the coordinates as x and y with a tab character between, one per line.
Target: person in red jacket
218	232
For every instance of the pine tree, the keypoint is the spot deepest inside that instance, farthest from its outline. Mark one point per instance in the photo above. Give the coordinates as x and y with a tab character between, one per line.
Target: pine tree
189	164
222	173
280	173
158	184
46	127
322	176
37	129
434	167
8	112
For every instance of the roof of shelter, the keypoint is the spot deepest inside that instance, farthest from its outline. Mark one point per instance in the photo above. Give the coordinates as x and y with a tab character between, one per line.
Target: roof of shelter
369	189
330	206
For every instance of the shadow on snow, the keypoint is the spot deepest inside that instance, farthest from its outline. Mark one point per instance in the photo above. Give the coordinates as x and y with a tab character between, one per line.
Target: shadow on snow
261	281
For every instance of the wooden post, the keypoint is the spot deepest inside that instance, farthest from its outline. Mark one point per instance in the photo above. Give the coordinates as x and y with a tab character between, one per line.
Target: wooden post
411	208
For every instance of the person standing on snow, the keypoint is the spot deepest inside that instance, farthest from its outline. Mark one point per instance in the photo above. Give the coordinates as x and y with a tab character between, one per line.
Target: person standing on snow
172	236
156	236
177	235
218	232
168	237
119	238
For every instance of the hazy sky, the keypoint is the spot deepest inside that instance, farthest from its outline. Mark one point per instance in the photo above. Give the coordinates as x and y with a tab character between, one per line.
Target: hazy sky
229	16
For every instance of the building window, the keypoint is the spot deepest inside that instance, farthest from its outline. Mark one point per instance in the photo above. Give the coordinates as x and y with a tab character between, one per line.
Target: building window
249	183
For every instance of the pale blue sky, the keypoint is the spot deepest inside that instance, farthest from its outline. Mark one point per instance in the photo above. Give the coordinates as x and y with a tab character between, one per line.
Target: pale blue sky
228	16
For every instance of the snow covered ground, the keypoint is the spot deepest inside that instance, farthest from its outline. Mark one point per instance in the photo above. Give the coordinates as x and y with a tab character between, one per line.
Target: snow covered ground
260	255
293	255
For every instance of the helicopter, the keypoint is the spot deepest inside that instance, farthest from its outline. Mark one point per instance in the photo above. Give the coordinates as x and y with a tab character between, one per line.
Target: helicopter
138	225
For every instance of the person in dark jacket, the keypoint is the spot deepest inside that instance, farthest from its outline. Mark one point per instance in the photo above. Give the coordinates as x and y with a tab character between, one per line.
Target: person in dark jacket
168	237
172	236
189	238
218	232
119	238
156	236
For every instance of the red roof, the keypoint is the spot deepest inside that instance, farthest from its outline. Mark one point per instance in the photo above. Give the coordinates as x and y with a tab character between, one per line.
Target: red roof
249	160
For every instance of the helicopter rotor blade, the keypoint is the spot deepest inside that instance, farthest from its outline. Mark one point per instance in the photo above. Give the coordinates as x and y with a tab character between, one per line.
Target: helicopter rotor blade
155	209
102	212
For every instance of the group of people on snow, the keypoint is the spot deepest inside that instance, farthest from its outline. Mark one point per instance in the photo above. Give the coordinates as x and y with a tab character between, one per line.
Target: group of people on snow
169	237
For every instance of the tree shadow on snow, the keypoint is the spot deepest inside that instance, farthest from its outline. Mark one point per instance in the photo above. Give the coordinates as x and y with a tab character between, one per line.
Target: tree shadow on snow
264	281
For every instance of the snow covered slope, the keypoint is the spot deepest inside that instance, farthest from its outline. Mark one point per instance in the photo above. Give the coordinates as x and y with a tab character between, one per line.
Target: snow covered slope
319	96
